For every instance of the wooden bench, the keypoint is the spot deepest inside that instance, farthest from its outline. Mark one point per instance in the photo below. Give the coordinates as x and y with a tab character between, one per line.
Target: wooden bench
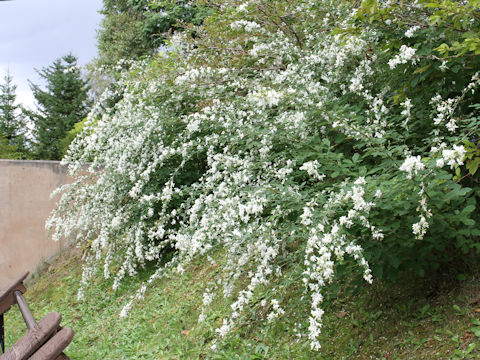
43	341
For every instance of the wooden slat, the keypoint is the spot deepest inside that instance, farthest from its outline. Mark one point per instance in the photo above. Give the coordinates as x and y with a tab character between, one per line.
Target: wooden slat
62	356
54	346
7	297
25	310
34	338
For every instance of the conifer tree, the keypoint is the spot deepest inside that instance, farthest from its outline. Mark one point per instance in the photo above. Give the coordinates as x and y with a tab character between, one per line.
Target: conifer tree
12	123
63	103
8	151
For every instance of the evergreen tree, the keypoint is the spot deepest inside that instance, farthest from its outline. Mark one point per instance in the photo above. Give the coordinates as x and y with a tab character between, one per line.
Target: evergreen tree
12	122
8	151
63	103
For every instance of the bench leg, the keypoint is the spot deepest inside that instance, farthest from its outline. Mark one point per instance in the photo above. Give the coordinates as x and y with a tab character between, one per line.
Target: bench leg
2	334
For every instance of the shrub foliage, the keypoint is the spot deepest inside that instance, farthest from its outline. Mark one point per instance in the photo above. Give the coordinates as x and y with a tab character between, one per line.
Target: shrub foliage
312	138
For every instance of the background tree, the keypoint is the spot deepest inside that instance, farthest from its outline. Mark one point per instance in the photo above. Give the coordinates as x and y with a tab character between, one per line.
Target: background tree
12	122
131	29
8	151
135	29
63	103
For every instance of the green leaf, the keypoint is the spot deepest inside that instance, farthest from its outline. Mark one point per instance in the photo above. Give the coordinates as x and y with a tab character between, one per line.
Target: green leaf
370	6
468	209
458	172
470	348
468	222
394	261
422	69
472	165
377	271
443	49
476	331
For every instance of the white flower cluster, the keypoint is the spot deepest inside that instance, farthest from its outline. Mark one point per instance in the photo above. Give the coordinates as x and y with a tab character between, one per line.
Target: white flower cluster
411	31
407	111
445	111
452	157
276	311
311	167
248	26
265	97
208	297
324	247
420	228
412	165
405	55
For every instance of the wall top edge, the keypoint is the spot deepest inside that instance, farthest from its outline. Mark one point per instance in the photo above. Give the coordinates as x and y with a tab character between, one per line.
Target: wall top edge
25	162
30	161
51	165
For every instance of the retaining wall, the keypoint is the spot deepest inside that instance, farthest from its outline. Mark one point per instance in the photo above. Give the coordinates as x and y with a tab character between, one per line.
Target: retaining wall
25	188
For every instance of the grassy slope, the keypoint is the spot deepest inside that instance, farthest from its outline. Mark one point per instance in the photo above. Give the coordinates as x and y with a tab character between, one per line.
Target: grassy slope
389	323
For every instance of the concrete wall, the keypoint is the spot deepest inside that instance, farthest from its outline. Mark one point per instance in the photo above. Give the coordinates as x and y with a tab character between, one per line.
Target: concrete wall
25	188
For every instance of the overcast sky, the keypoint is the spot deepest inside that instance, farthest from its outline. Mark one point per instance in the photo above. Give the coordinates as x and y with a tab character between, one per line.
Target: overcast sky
33	33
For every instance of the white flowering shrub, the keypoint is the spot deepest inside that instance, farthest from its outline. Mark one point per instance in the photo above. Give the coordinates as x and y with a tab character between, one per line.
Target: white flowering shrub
284	136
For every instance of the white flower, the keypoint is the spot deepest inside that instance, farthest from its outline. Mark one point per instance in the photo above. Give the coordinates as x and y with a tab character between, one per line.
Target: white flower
193	126
311	167
412	165
277	311
407	107
452	157
452	125
409	33
242	7
248	26
265	97
224	329
440	163
406	54
306	217
116	222
360	181
419	229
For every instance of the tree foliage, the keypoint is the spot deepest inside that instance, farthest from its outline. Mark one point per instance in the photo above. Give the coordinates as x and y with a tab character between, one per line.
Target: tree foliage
62	104
12	122
131	29
8	151
70	136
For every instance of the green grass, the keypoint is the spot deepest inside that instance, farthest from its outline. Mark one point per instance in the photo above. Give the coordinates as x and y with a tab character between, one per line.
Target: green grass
384	322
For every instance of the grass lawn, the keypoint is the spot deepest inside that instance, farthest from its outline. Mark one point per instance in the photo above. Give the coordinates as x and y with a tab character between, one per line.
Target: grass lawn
383	322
